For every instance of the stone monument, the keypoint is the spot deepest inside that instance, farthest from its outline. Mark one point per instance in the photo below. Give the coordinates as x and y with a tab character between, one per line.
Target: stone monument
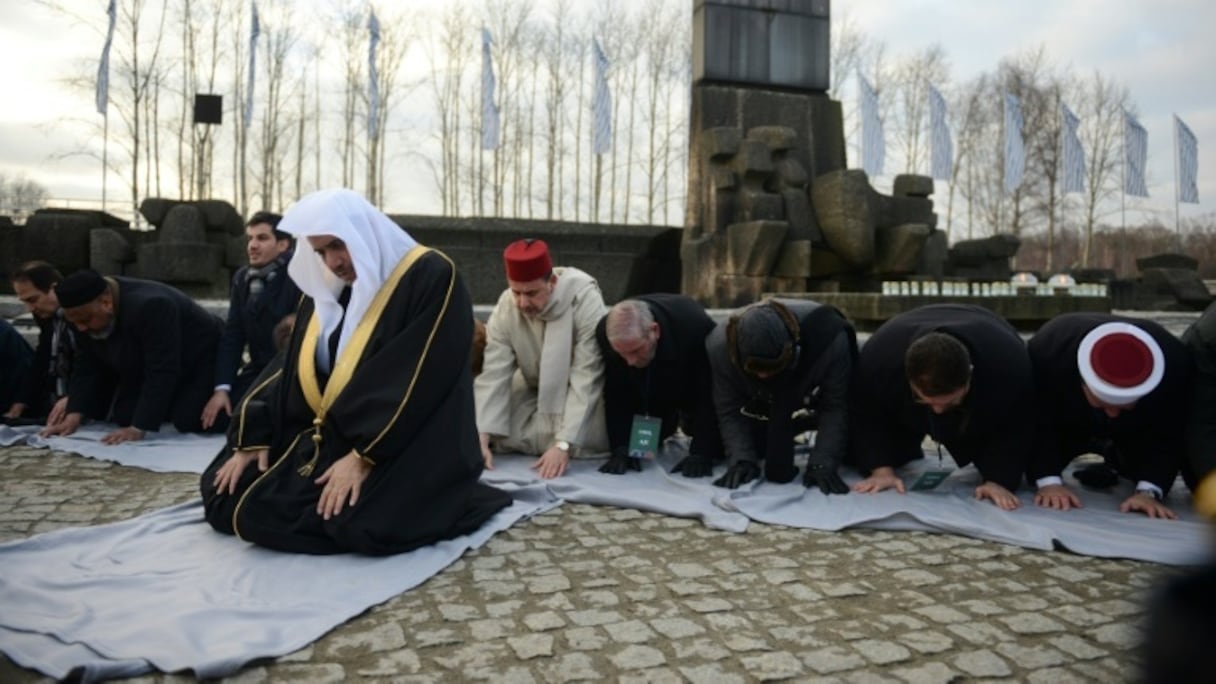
771	204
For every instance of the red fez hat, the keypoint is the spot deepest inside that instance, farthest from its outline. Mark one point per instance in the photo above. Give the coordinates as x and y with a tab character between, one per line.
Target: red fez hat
527	260
1120	363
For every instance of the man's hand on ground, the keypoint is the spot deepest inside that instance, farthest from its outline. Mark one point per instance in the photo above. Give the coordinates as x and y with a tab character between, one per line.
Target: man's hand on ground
1058	497
1144	502
69	424
880	478
552	463
123	434
1003	498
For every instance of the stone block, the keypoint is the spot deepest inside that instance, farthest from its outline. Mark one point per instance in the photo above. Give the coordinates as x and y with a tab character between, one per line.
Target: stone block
825	263
180	263
235	254
733	291
912	185
719	143
782	285
752	247
1092	275
797	206
1167	260
722	210
978	252
697	268
184	224
760	206
897	249
776	138
790	173
154	209
1184	285
754	160
221	216
722	178
109	251
933	256
843	203
794	261
61	239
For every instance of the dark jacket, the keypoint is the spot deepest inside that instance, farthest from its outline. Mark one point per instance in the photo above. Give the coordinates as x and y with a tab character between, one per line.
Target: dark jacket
46	380
251	323
1200	338
15	359
818	382
992	428
1148	439
160	357
675	387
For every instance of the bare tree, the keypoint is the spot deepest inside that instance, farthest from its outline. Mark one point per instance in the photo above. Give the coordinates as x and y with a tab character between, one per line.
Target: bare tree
553	50
448	56
1100	108
912	78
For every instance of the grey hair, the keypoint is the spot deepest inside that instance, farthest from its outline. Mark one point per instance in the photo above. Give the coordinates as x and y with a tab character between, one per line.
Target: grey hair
629	319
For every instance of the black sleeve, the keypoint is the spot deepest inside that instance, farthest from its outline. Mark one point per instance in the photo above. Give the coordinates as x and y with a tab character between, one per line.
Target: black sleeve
831	439
232	341
158	327
618	410
34	391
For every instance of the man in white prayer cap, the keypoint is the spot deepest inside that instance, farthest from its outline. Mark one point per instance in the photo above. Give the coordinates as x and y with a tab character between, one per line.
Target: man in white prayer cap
362	437
1119	387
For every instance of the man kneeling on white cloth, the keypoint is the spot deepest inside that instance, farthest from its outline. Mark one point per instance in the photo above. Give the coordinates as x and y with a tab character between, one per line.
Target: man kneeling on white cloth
363	431
539	391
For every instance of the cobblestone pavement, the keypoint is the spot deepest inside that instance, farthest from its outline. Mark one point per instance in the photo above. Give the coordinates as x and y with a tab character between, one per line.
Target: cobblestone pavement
589	593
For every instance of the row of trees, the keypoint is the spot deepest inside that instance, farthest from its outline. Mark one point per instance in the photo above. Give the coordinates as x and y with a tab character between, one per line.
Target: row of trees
310	111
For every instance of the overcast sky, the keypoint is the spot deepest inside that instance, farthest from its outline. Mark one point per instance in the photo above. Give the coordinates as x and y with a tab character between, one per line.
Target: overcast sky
1162	50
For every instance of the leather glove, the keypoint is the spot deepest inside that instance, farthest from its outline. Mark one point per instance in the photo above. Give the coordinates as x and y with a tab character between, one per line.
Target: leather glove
695	465
823	472
621	464
739	473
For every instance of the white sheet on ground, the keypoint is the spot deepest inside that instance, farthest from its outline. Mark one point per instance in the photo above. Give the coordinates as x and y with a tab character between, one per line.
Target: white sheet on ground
164	591
163	452
653	489
1098	529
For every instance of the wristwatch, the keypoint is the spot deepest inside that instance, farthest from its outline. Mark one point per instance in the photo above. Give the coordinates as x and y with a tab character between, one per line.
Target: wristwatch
563	445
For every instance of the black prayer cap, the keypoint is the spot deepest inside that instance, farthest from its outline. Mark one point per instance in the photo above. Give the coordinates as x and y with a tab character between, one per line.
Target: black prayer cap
764	341
80	288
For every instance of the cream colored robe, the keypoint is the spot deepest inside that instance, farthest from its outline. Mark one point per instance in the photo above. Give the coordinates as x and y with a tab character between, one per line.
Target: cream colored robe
506	390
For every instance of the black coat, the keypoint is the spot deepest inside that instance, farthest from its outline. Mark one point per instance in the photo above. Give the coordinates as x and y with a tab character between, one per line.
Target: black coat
992	428
159	358
675	387
1149	439
15	359
818	382
251	324
1200	338
406	405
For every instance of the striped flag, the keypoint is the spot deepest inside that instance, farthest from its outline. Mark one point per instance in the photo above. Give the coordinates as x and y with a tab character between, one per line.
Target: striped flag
255	30
1015	150
1188	162
373	78
601	103
1074	155
941	148
872	147
489	110
1135	156
103	69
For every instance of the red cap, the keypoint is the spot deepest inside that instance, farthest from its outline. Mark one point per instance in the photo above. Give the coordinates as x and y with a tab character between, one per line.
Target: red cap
527	260
1120	363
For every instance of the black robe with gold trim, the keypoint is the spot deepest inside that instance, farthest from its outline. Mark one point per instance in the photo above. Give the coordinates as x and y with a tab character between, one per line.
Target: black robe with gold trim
400	395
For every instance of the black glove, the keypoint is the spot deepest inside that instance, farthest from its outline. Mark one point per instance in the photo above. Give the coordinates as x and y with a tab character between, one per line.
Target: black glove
822	472
695	465
1097	476
620	464
739	473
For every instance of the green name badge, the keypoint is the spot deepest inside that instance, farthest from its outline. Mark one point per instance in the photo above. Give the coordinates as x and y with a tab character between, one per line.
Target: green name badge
930	479
644	437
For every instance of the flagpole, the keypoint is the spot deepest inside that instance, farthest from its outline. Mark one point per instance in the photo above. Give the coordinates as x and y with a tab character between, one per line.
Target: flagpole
1177	187
1123	194
105	155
